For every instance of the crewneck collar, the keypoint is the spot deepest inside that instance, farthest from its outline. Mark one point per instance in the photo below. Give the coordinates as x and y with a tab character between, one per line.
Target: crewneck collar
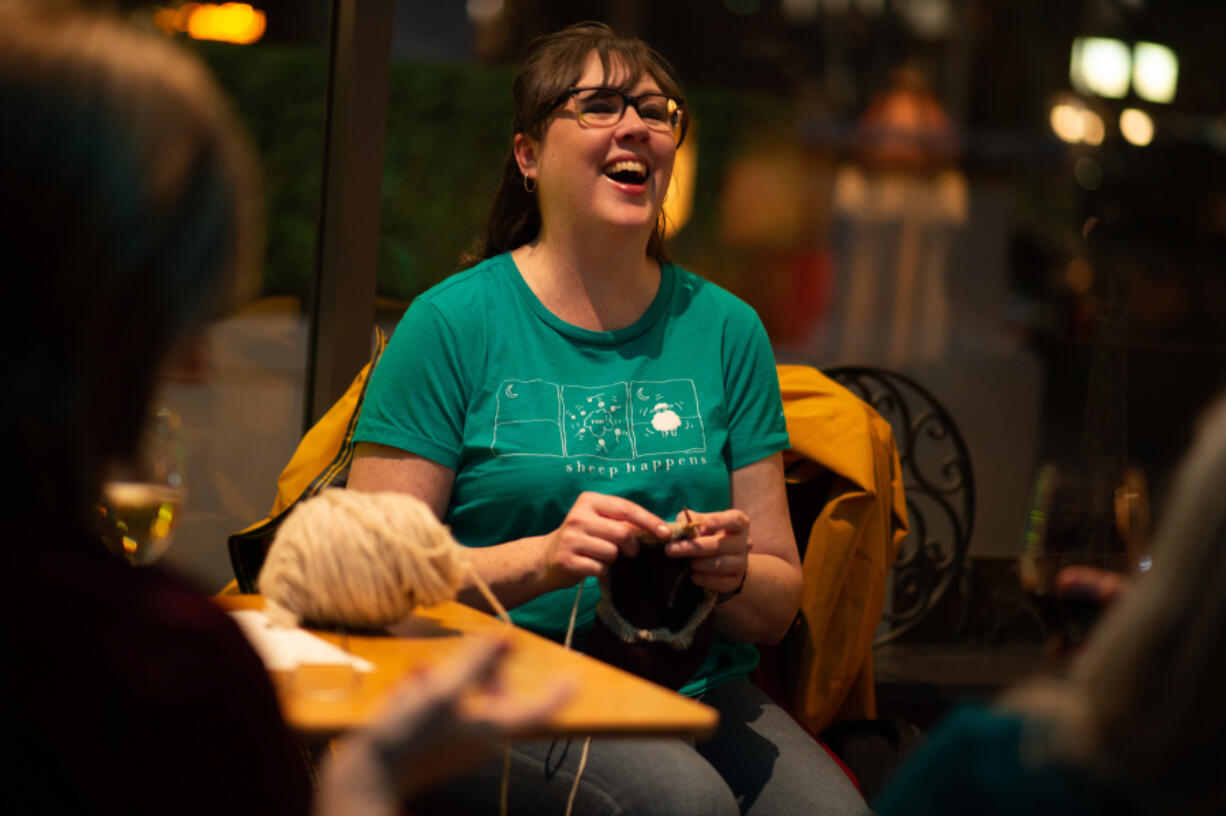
590	336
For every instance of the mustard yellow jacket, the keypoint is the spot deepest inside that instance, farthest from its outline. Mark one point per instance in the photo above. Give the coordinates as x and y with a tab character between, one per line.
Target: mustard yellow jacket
850	547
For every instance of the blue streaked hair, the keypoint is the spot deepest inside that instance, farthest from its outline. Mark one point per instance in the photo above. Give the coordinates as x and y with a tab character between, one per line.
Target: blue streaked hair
129	226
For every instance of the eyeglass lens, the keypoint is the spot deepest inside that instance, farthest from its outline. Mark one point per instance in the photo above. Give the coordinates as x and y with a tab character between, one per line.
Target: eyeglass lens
601	107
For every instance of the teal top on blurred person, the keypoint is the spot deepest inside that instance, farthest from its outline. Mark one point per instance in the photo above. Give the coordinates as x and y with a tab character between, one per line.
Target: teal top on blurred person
977	761
1136	724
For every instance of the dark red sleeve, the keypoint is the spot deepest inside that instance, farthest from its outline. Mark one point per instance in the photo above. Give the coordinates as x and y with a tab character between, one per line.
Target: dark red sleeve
136	694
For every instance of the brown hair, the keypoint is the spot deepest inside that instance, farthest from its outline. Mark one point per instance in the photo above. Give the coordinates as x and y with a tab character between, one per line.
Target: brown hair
134	225
553	63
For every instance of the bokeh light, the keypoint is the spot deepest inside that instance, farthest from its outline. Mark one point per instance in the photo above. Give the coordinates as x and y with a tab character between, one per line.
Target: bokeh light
228	22
1079	276
483	11
1066	122
1155	72
1136	126
1074	123
1100	66
1092	129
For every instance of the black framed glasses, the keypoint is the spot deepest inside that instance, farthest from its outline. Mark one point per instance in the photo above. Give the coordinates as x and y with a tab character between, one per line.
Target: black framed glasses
605	107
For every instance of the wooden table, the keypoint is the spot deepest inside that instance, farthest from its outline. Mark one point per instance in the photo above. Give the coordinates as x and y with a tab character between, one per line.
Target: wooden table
607	701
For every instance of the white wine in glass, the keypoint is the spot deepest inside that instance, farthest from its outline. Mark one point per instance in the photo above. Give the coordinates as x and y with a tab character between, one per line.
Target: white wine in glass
142	501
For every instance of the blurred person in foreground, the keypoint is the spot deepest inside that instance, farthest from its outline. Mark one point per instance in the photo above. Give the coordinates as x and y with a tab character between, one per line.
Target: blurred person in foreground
1139	724
130	224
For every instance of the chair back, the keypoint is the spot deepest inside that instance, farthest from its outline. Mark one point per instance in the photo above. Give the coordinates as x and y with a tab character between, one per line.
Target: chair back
939	484
321	460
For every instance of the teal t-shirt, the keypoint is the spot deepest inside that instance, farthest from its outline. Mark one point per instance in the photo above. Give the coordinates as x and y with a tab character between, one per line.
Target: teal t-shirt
530	412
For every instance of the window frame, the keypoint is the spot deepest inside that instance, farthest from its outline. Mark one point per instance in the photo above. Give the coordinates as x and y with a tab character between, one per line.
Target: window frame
347	237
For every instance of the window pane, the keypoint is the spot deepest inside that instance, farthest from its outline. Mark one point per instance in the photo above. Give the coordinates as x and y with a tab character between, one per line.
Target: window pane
243	412
882	182
446	139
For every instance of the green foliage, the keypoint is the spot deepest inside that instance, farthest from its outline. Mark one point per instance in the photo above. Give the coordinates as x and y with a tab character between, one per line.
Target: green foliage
448	134
278	93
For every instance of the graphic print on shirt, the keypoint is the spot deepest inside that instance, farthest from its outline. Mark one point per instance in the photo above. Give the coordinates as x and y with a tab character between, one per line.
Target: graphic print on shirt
597	422
528	419
617	421
666	418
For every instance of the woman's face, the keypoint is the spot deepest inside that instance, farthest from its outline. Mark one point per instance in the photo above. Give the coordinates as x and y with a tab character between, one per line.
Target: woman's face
575	165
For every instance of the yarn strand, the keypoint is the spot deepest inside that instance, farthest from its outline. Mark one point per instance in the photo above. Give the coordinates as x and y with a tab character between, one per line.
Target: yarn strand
587	743
574	788
487	593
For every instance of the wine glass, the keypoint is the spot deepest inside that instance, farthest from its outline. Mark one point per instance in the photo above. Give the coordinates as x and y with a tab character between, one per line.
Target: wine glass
142	500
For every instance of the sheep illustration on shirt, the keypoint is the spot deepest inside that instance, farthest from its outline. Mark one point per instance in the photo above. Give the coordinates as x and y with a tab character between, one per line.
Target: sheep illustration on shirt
664	419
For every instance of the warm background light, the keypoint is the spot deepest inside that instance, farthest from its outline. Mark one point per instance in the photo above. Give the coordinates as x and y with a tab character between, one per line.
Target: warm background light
1100	66
1079	276
1066	122
1092	130
483	11
1155	72
679	201
1136	126
1074	123
227	22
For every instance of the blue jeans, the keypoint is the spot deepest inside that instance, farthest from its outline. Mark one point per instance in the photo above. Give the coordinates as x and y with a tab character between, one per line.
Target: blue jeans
759	762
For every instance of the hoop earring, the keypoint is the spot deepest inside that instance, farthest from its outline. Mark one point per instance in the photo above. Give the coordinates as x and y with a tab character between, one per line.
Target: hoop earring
530	188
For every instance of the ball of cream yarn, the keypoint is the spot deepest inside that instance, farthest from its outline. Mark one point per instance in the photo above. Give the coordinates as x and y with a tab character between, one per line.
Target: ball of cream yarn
357	559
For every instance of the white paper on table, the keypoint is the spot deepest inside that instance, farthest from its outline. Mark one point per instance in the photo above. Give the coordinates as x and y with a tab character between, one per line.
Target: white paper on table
284	649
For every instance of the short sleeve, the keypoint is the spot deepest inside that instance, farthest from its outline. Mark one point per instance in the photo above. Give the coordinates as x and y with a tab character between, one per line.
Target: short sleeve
756	425
418	394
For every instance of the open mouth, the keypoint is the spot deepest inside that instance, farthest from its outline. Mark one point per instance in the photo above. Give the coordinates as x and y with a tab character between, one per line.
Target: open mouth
627	172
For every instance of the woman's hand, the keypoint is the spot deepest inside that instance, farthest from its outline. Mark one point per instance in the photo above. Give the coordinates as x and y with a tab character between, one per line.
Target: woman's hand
720	551
436	724
597	529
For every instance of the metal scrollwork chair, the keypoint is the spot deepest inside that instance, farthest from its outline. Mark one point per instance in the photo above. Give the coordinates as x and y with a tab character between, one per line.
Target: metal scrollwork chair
939	484
882	499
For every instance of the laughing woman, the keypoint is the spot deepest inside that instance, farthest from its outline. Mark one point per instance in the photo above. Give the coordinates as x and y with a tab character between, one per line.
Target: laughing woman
574	388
